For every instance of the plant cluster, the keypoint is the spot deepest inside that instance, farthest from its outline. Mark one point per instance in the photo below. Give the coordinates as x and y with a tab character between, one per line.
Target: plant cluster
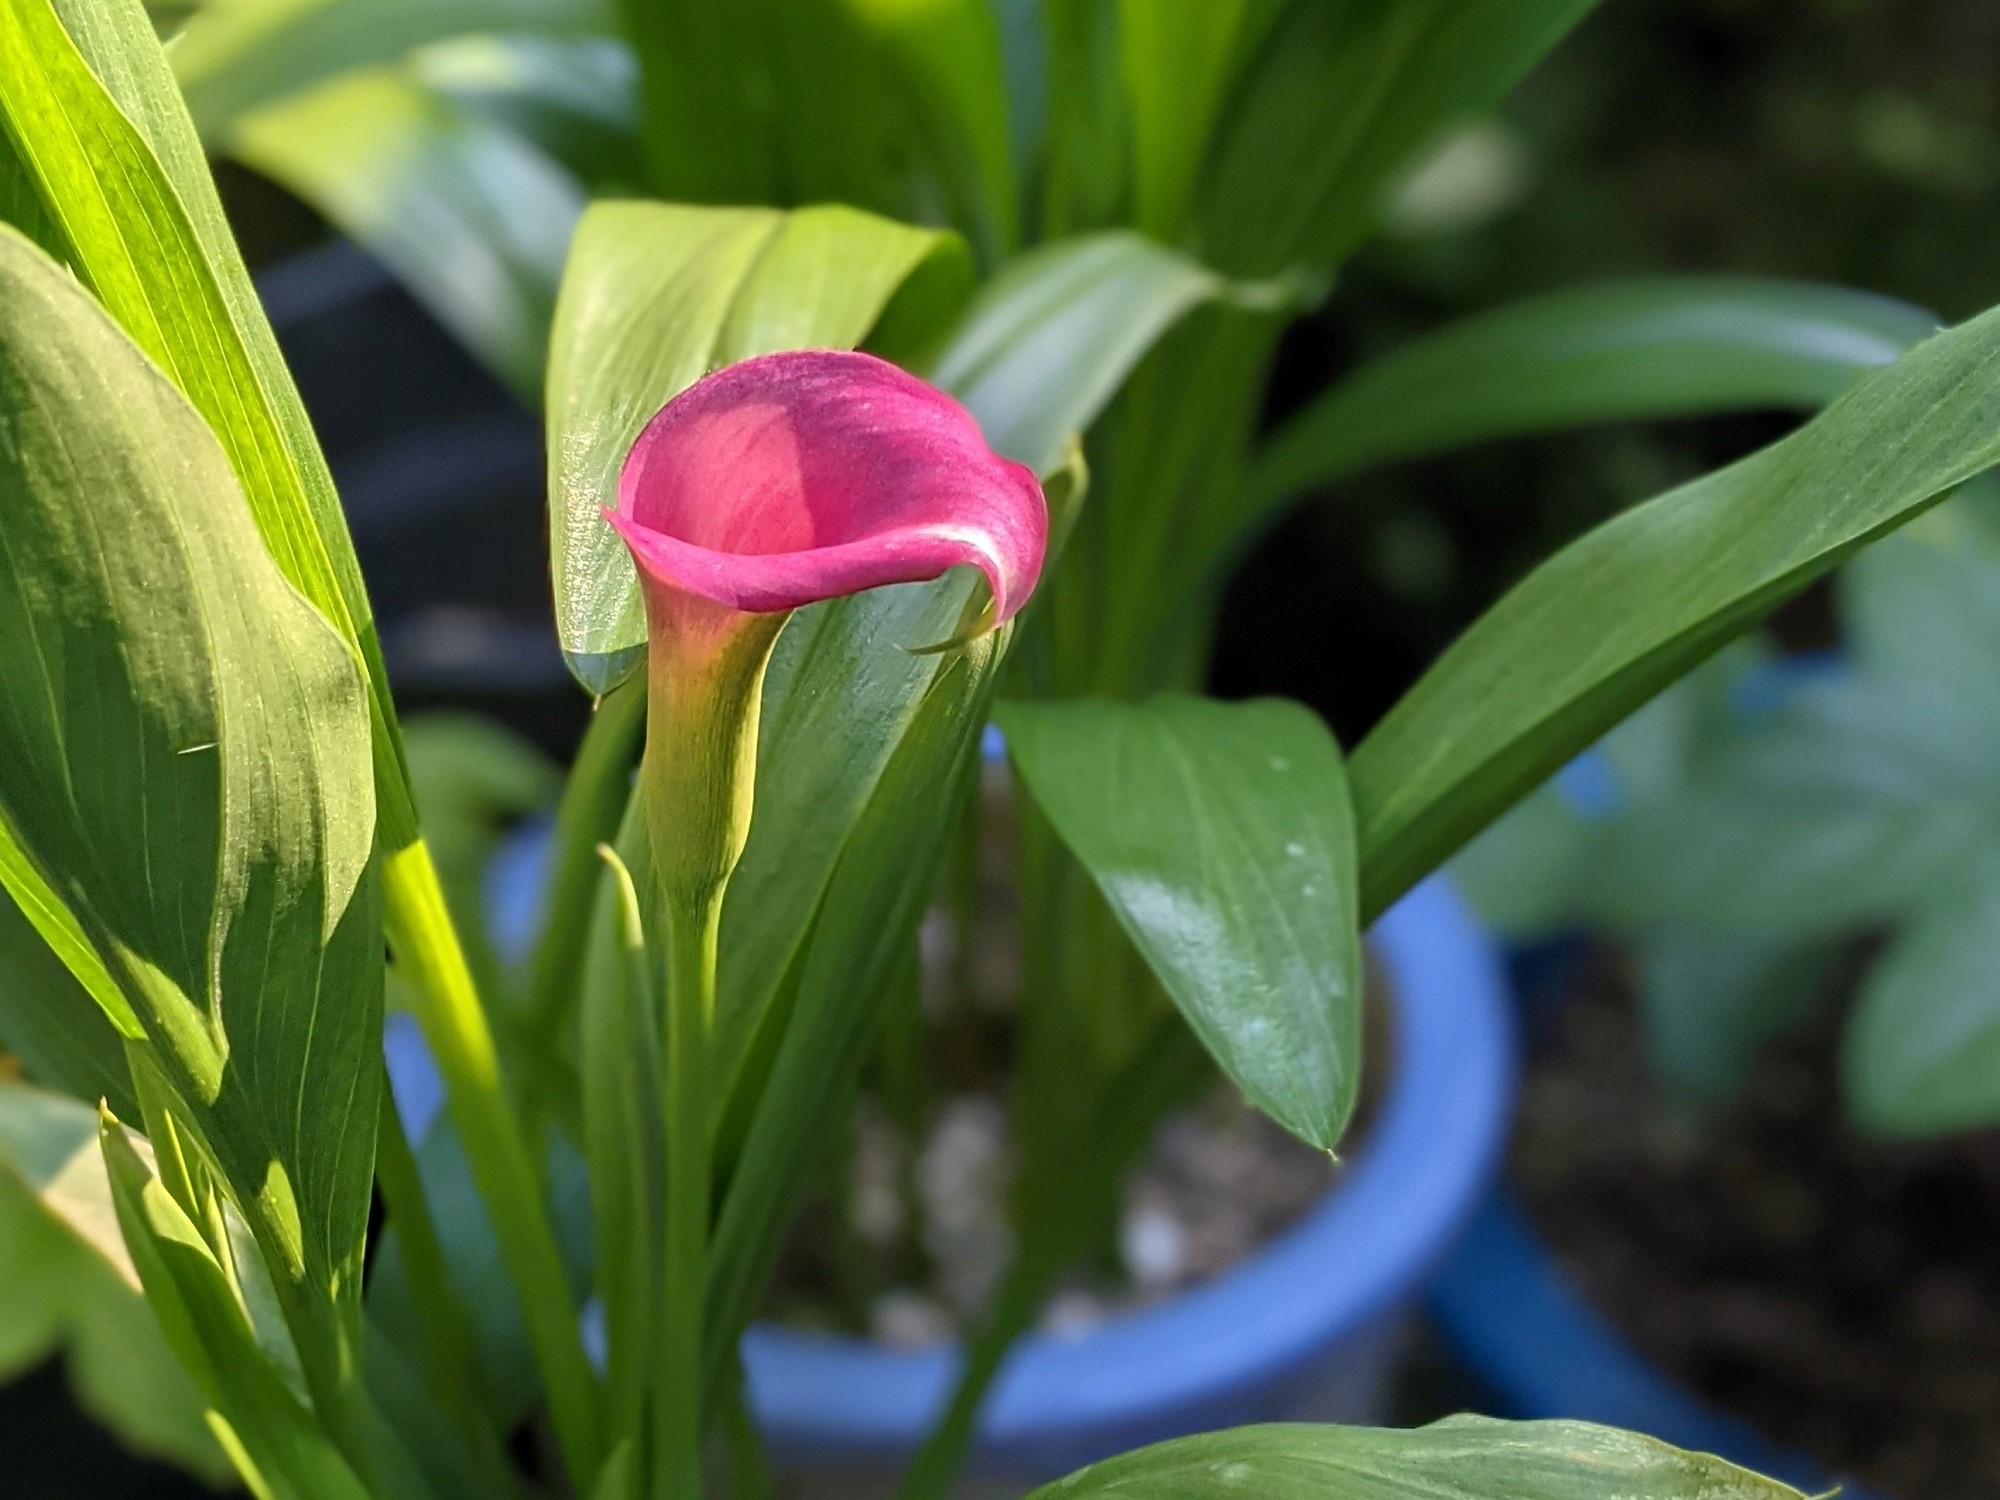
805	579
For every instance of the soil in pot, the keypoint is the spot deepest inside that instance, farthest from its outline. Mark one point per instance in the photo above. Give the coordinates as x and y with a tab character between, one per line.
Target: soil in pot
1840	1294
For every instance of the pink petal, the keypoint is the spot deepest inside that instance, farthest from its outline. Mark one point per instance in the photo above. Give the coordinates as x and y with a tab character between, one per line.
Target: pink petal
803	476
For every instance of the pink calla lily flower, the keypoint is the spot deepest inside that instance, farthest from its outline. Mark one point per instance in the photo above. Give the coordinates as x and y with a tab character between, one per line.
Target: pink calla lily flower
777	483
804	476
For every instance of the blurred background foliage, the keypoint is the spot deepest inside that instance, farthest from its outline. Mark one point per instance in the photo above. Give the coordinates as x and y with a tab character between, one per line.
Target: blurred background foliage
1848	141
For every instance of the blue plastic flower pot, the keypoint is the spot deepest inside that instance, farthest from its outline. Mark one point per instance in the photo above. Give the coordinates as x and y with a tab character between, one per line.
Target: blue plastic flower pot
1315	1304
1303	1329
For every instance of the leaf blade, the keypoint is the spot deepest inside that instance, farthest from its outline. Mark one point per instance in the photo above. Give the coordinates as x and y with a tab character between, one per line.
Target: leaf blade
1614	617
1221	837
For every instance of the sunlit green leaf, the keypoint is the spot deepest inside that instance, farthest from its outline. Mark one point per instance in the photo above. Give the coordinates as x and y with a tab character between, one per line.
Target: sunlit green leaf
268	1434
1178	59
1614	617
71	1286
186	757
105	140
1221	836
51	1023
1461	1458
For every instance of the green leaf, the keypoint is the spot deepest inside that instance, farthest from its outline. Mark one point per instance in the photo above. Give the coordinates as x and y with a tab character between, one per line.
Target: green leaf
1085	185
270	1437
51	1023
105	141
654	297
895	108
1179	58
71	1285
1617	615
1344	95
58	928
1921	1056
184	753
474	219
1220	834
948	54
1618	351
235	55
1048	341
1460	1458
807	1057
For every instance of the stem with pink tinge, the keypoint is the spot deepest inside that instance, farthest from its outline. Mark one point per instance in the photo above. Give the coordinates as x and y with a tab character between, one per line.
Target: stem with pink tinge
705	682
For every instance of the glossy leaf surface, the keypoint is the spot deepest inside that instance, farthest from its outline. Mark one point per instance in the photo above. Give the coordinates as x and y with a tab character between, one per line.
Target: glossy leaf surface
160	675
1220	835
1615	616
1460	1458
124	189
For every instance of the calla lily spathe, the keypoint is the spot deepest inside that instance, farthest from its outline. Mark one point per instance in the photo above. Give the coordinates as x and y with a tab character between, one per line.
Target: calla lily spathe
803	476
773	484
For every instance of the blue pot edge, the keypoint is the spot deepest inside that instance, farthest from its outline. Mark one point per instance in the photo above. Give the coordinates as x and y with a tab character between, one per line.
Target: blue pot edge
1204	1356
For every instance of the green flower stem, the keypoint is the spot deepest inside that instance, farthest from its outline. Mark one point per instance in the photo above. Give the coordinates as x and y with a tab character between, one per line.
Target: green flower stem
693	931
427	951
704	686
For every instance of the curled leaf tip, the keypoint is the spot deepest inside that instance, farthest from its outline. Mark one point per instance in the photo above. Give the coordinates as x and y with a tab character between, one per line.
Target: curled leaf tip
806	475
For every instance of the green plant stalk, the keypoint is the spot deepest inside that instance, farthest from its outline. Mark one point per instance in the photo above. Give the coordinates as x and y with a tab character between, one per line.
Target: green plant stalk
704	688
421	935
693	936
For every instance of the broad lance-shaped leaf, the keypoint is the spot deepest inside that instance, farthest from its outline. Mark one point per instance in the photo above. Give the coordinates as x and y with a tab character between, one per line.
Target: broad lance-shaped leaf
234	55
72	1288
654	297
184	753
1619	351
1460	1458
1614	617
1220	835
474	219
106	144
1048	342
